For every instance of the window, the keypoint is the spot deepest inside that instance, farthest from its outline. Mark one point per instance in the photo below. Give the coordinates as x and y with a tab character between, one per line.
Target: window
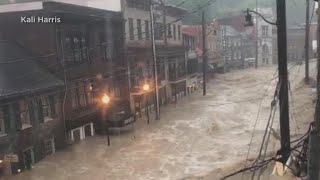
24	114
49	146
146	29
89	92
169	32
75	45
2	128
131	30
139	29
265	31
74	98
239	55
179	32
158	28
265	49
45	102
117	92
82	97
174	32
145	5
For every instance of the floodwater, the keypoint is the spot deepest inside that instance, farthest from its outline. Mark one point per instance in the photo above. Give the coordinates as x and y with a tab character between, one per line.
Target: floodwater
200	136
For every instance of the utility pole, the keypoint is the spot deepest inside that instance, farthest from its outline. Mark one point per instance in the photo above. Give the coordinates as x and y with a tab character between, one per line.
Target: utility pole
314	137
283	80
154	62
257	37
204	54
306	52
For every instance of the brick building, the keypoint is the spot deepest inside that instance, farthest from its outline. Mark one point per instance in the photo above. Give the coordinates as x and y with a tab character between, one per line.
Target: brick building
84	51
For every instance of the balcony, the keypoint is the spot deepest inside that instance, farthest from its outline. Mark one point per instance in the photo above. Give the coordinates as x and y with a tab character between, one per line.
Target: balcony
179	76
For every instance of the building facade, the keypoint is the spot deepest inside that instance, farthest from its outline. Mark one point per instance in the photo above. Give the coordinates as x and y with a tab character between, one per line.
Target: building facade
265	41
31	122
193	65
170	54
86	52
234	56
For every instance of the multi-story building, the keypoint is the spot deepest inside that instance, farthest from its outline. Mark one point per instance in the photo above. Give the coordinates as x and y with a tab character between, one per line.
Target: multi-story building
169	51
213	44
31	123
189	41
296	43
265	41
233	32
234	49
83	47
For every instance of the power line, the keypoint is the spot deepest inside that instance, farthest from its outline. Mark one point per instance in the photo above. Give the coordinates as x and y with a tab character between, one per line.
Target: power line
111	41
256	121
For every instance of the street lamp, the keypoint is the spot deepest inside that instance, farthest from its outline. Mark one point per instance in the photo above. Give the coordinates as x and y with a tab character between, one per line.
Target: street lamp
283	77
146	88
105	99
249	21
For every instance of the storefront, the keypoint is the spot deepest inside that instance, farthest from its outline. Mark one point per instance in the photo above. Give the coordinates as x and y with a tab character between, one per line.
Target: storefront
178	90
192	85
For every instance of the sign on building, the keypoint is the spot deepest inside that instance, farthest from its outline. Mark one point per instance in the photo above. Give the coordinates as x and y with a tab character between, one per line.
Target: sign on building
11	158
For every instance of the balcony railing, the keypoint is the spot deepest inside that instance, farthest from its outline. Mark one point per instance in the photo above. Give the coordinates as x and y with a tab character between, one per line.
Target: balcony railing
177	76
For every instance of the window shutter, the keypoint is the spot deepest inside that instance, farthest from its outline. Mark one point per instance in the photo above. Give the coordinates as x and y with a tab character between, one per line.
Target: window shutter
32	113
40	111
52	106
6	118
16	116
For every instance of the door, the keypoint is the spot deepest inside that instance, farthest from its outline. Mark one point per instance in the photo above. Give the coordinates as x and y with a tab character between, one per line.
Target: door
87	130
28	157
76	135
49	147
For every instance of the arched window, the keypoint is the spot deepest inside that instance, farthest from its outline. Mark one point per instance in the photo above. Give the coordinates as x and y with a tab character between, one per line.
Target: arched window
265	49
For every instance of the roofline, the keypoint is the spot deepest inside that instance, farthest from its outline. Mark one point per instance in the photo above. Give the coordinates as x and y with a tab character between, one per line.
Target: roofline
48	5
30	92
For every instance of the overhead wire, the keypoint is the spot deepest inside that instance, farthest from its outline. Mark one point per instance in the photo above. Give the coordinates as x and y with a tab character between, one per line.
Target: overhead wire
256	122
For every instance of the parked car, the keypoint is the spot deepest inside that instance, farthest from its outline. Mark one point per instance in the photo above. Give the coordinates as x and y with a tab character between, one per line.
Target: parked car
120	115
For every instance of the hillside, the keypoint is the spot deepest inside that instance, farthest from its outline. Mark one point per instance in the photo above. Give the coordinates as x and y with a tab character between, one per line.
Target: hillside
295	8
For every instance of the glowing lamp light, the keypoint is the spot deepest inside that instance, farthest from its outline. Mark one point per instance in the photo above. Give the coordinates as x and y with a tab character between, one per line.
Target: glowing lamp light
90	87
1	161
146	87
105	99
19	170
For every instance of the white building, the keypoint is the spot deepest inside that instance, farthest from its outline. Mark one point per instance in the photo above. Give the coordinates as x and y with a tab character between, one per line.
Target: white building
264	36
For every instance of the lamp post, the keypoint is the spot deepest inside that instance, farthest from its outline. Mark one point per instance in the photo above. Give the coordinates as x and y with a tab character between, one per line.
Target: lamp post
146	88
105	99
283	75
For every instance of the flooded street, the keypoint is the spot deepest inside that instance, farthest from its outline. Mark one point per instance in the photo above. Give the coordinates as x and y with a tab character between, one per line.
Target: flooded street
198	137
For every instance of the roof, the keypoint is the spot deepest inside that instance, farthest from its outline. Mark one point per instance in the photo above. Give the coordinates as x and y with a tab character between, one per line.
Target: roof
21	77
236	22
231	32
191	30
85	8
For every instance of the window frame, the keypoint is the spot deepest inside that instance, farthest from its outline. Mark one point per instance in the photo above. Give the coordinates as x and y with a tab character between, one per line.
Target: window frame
146	29
24	115
2	123
174	32
179	32
139	29
131	28
46	106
